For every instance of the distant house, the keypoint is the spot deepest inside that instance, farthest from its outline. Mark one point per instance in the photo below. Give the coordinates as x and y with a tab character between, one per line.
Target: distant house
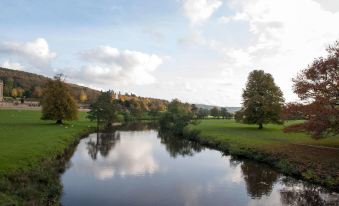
1	91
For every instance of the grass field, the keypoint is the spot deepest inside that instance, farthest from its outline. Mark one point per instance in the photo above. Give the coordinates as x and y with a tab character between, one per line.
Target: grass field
294	153
25	139
27	142
251	136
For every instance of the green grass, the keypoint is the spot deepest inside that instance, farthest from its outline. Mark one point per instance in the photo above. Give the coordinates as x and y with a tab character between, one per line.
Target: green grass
250	136
292	153
32	154
26	140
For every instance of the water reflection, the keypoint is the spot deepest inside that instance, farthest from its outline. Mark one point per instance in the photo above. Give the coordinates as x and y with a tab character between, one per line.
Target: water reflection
297	193
103	143
178	146
259	178
144	167
112	154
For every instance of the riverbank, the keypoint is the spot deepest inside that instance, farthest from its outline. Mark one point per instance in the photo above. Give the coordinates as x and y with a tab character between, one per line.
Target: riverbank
32	154
291	153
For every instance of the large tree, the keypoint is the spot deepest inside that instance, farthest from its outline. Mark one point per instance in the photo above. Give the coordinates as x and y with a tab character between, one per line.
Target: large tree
318	89
57	101
262	100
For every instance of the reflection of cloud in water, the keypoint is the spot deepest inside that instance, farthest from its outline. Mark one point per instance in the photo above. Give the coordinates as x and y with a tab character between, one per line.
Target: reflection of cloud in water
130	156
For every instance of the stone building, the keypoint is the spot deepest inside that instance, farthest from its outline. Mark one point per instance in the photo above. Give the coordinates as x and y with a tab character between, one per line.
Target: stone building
1	91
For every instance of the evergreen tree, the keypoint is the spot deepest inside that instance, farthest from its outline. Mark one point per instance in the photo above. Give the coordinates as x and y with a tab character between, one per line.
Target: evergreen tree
57	102
262	100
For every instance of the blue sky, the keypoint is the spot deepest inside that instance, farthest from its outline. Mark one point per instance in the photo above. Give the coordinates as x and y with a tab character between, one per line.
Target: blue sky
199	51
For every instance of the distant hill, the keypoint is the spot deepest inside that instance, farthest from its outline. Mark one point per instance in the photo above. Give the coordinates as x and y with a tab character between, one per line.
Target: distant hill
229	109
30	82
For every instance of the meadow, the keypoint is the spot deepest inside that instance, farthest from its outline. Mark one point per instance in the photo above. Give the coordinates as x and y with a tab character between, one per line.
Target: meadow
29	153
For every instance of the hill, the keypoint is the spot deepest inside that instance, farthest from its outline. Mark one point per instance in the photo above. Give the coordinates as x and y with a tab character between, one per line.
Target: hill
30	85
229	109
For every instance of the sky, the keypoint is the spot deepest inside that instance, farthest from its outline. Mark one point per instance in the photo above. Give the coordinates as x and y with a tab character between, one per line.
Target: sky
199	51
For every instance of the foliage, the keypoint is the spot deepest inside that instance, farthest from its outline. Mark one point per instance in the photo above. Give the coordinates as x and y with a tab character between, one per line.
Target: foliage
215	112
104	110
57	102
194	110
225	114
14	92
83	96
239	116
176	118
203	113
262	100
318	89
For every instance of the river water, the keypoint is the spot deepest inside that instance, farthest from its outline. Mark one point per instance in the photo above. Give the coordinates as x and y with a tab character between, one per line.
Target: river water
137	166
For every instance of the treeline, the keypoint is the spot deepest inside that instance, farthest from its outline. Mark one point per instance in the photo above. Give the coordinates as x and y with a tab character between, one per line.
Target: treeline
215	112
19	84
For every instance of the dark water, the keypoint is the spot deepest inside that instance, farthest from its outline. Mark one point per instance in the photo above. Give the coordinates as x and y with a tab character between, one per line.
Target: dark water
128	167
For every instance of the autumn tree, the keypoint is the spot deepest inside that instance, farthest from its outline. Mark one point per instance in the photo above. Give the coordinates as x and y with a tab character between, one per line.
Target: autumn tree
262	100
57	102
83	96
37	92
318	89
14	92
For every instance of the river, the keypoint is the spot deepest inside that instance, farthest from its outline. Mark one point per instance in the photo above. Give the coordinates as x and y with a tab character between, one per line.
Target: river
138	166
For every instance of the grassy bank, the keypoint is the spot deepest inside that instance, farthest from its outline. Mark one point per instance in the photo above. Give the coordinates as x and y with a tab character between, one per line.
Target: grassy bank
32	153
292	153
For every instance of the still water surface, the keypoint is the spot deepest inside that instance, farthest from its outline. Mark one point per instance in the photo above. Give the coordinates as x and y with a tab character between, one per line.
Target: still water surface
140	167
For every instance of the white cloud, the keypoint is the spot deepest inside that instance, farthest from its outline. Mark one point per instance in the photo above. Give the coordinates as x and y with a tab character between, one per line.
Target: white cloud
131	156
108	65
286	36
34	53
200	10
12	65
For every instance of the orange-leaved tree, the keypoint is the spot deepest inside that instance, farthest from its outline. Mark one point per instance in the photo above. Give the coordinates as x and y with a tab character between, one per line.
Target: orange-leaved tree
318	89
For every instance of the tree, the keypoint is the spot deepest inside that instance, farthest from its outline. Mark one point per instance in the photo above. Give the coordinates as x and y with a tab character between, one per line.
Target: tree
203	113
215	112
57	102
104	110
20	91
176	118
37	92
239	116
225	114
318	89
83	96
14	92
194	110
262	100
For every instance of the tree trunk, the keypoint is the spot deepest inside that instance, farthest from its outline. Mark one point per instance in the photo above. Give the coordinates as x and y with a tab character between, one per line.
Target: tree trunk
260	126
59	121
